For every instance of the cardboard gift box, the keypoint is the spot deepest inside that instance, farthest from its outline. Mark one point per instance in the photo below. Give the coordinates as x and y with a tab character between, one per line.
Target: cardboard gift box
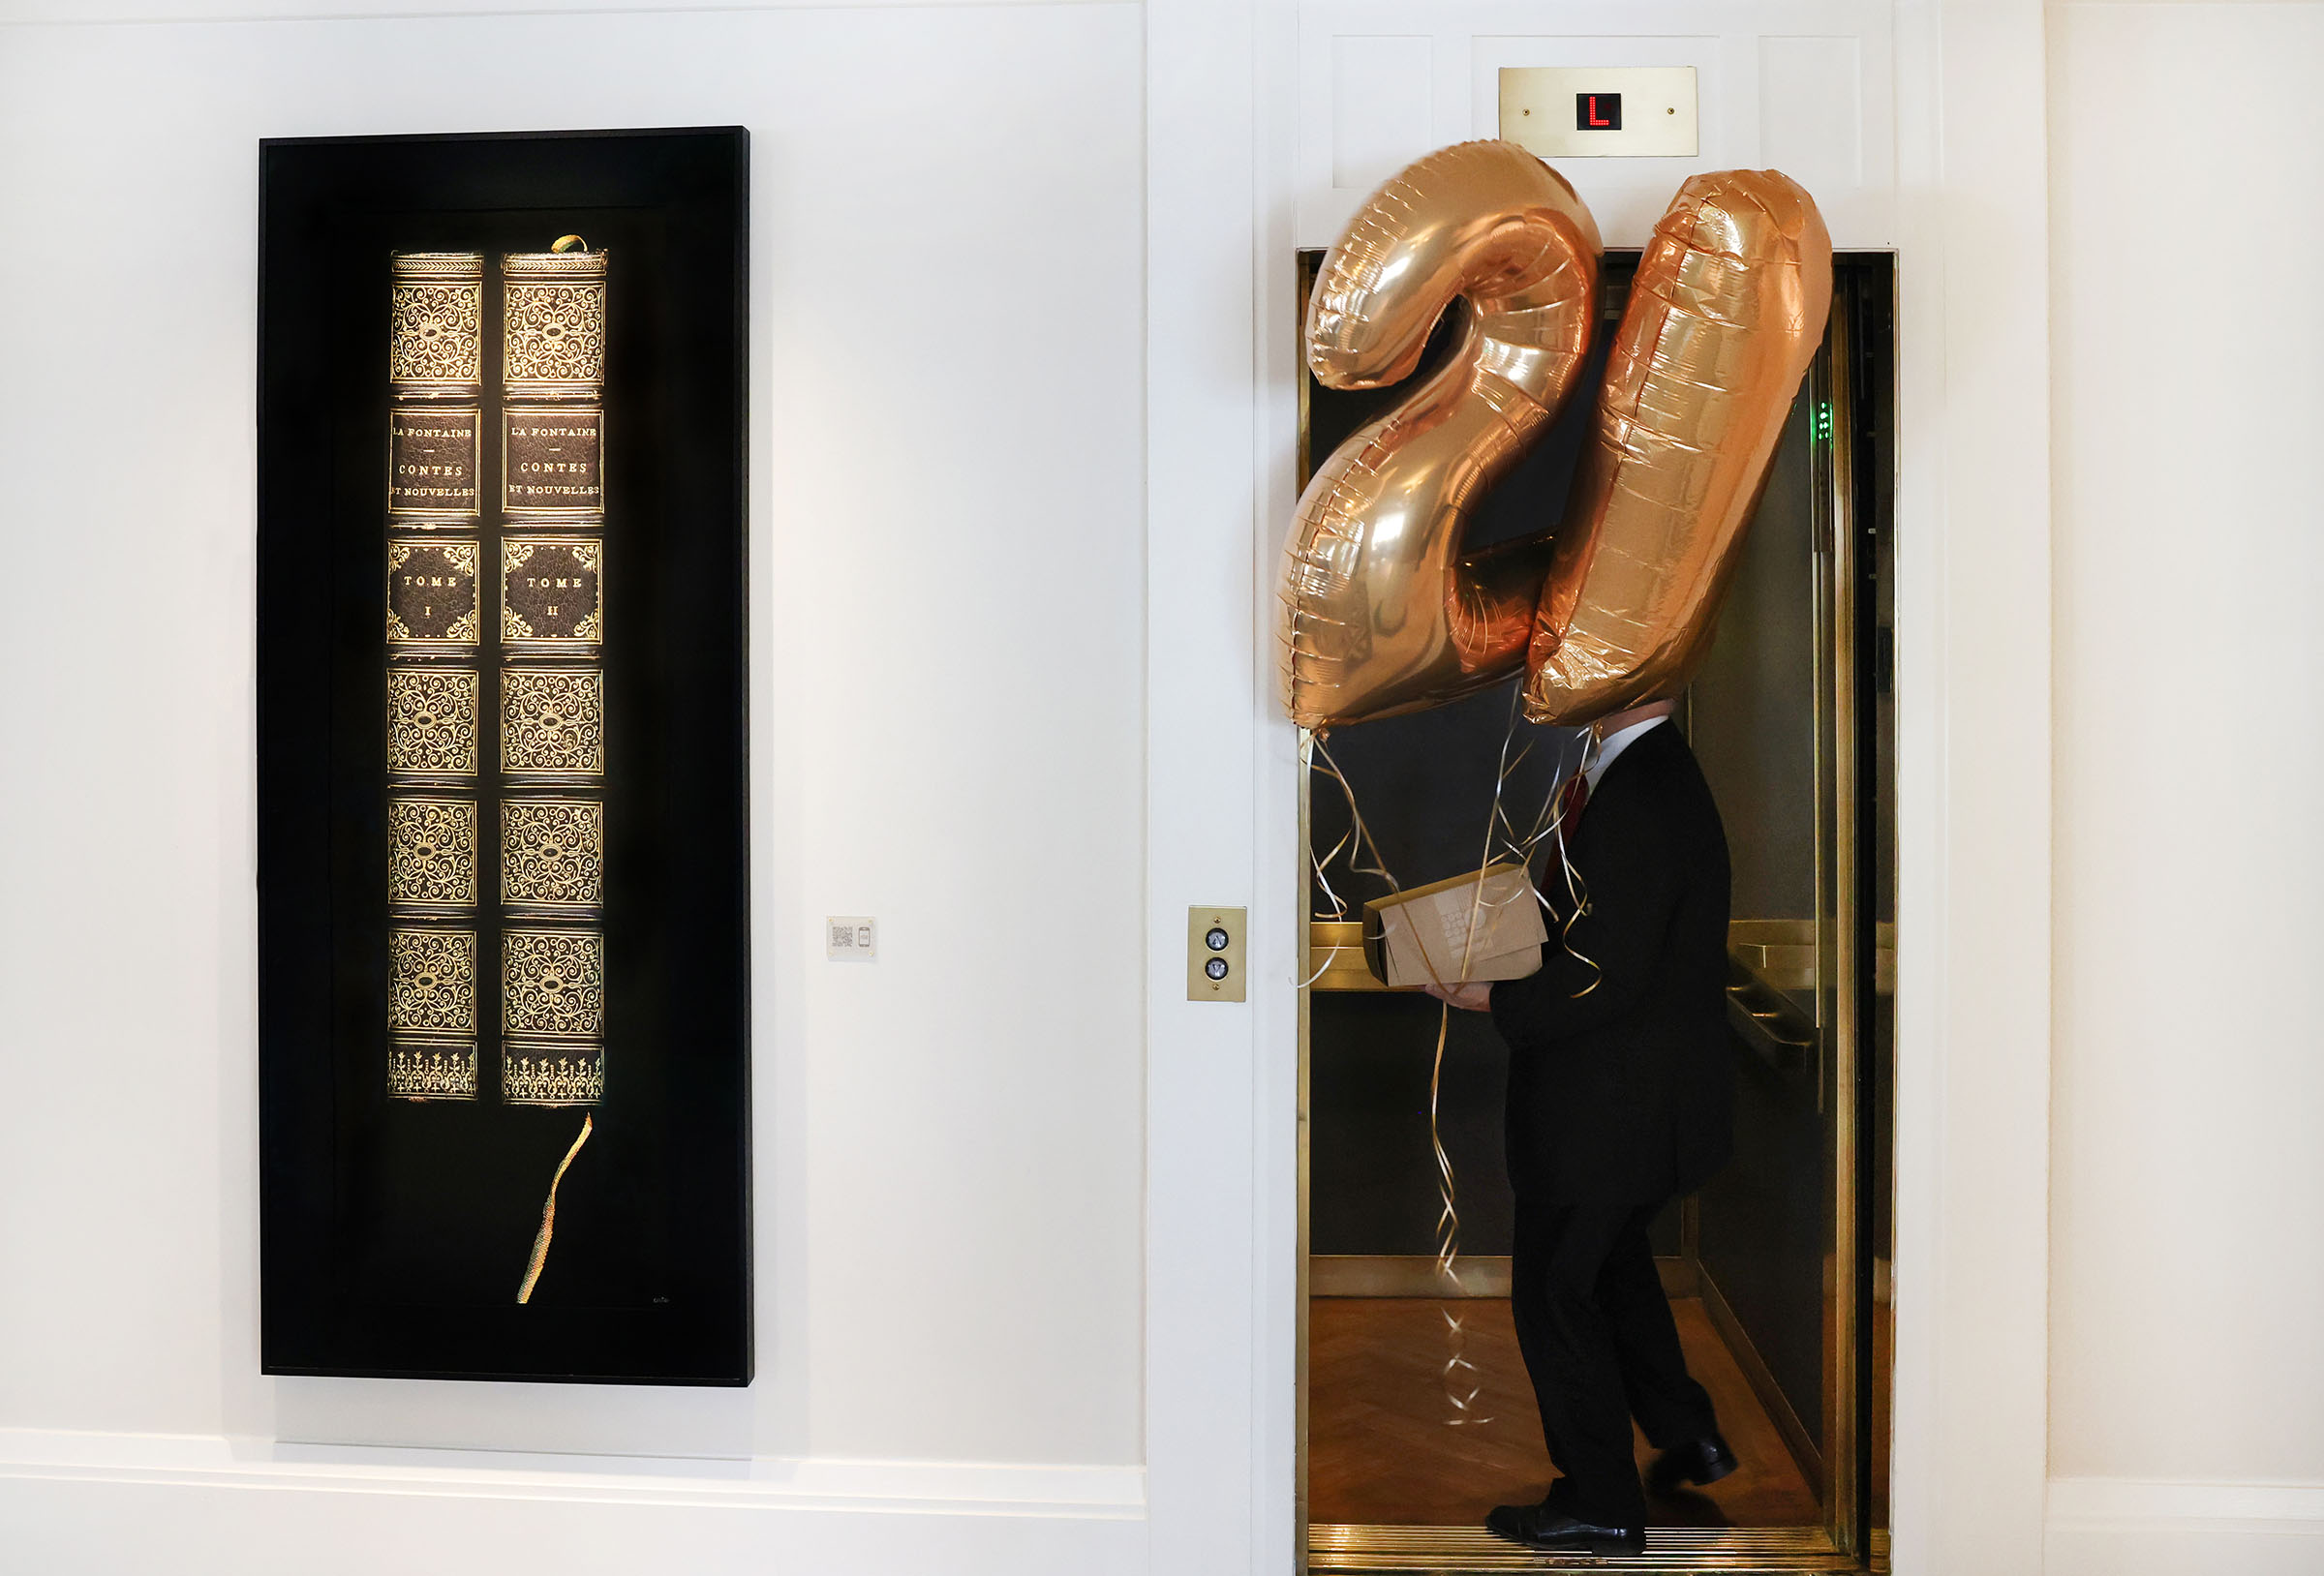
1415	937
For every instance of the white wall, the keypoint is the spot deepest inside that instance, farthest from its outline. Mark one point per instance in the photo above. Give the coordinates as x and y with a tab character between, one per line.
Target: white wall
947	557
2186	1377
1805	85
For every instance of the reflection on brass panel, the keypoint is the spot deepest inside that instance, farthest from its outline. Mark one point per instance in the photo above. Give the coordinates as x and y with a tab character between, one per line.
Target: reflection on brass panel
1781	952
436	338
432	592
431	1071
551	462
1772	1024
554	327
550	591
432	980
553	982
432	721
552	852
432	461
432	851
553	720
1336	957
549	1075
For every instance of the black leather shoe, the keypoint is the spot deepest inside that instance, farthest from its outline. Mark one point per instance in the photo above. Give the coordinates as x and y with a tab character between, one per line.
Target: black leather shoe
1546	1527
1698	1461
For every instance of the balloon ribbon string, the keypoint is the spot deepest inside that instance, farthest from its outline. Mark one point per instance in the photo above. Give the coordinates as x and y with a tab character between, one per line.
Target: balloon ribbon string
1460	1381
1460	1384
1351	843
1578	891
1548	826
1358	835
1459	1376
548	1218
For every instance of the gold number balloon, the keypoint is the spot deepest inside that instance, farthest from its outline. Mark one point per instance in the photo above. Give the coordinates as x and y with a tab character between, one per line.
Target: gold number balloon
1381	612
1725	313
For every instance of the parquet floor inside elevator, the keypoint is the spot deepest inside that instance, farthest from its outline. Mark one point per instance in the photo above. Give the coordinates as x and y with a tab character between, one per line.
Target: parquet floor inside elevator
1379	1450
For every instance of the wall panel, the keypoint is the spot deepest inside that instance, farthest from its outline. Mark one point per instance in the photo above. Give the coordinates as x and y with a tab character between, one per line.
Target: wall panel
1805	80
2186	1377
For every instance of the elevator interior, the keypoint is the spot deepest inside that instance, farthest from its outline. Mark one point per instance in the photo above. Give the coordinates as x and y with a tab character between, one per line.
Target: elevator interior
1777	1269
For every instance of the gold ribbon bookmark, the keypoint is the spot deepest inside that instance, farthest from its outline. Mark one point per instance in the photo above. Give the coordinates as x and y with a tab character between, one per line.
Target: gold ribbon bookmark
548	1219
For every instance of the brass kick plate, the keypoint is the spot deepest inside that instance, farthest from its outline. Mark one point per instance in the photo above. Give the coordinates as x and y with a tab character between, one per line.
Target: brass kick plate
1214	953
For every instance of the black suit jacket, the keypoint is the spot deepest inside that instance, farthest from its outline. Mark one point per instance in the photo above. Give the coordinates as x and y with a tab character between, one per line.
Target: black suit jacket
1624	1091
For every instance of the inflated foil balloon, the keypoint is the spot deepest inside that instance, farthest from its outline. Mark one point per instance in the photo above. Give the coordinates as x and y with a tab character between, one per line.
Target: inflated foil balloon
1381	611
1725	312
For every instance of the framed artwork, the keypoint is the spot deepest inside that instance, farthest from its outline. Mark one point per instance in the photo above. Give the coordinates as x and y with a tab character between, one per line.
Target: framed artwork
503	810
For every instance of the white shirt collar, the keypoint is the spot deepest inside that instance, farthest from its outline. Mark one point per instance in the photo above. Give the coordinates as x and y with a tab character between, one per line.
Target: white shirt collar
1614	744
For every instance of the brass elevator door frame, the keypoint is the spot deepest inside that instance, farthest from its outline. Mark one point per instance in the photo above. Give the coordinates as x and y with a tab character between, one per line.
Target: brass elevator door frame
1844	956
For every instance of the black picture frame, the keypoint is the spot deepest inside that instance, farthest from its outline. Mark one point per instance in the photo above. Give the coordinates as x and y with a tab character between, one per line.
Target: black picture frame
394	1233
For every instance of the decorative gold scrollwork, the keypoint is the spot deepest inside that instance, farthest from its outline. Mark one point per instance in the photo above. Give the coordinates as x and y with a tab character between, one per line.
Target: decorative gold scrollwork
553	331
553	982
438	334
432	721
432	851
553	720
432	980
552	852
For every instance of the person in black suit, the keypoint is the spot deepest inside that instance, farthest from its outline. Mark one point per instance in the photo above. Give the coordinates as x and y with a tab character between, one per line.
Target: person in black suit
1620	1098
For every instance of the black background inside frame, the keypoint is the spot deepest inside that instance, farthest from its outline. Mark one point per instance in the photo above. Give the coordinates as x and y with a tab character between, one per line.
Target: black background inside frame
394	1232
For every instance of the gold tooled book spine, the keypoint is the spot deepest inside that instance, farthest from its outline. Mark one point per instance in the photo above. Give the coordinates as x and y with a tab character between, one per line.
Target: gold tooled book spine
434	680
552	702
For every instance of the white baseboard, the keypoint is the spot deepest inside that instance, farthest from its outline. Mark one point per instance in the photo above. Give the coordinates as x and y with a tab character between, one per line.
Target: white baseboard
92	1505
2128	1527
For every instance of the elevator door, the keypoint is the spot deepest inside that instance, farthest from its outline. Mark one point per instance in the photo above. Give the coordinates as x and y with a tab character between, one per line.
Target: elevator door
1771	1268
1784	718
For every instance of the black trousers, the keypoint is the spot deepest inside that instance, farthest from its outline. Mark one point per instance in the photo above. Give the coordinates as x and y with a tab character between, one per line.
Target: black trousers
1601	1348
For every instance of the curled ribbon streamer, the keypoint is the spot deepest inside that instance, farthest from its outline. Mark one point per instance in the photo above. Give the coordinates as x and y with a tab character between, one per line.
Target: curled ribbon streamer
1548	826
1448	1220
1359	834
1578	891
1459	1380
1459	1376
1352	843
1458	1371
548	1219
